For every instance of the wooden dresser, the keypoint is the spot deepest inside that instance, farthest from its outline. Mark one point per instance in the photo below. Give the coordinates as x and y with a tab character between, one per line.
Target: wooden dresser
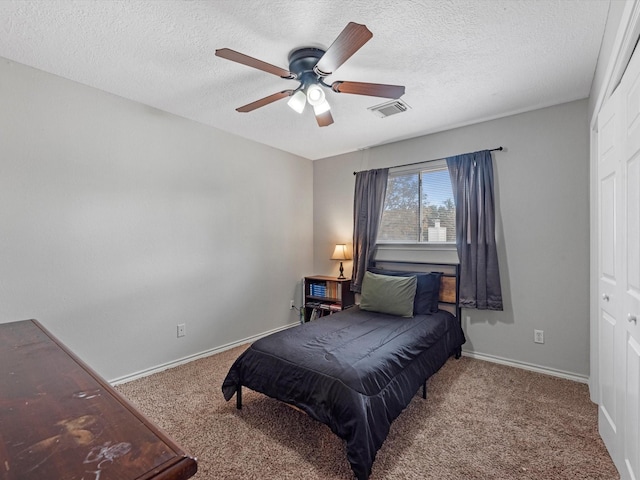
60	420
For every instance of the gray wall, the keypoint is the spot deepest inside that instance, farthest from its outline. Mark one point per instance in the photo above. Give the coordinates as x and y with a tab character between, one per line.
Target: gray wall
542	201
120	222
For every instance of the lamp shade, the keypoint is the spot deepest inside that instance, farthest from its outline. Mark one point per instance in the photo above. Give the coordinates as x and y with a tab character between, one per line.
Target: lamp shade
297	101
341	252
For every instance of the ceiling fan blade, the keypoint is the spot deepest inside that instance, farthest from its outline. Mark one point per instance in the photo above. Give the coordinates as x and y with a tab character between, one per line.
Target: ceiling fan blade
253	62
264	101
350	40
370	89
324	119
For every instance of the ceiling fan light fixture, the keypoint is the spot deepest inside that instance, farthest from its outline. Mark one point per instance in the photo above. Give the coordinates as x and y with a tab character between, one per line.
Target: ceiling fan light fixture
315	95
297	101
321	108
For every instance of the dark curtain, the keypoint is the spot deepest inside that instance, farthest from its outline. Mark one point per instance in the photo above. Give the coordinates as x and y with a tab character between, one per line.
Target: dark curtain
370	190
472	183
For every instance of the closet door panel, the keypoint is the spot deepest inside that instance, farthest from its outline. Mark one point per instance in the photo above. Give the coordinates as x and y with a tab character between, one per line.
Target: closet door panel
607	409
630	88
632	413
632	234
610	332
632	107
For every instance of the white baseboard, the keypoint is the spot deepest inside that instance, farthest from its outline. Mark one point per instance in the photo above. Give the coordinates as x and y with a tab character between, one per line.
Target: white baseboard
528	366
228	346
196	356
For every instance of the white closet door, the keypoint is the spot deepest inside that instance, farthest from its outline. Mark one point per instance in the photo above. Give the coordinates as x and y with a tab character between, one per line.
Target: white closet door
630	101
619	272
610	329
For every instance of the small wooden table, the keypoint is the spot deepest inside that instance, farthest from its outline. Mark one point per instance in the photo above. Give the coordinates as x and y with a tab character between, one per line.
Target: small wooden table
60	420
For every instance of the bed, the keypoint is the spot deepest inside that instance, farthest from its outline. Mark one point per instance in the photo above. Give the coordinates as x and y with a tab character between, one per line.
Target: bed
358	369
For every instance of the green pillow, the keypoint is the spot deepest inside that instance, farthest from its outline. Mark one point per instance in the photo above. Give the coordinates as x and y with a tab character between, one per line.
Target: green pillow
387	294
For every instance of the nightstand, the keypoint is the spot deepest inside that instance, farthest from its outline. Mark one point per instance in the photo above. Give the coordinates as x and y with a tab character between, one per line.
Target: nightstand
325	295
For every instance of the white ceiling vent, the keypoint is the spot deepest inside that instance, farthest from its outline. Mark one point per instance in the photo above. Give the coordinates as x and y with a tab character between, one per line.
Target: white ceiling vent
390	108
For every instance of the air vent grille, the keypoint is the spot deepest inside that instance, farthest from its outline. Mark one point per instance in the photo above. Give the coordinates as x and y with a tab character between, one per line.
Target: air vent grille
389	108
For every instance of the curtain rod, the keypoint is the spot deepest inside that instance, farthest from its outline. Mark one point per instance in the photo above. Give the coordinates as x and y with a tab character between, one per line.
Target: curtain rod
498	149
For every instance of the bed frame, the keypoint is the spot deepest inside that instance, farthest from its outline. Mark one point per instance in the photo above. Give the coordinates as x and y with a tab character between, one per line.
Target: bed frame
449	296
386	380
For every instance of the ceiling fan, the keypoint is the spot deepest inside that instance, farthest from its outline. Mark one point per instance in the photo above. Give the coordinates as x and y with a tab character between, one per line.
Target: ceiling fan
310	66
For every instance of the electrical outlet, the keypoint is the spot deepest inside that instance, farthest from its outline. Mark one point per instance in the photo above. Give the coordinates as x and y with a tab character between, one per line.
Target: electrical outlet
291	305
538	336
182	330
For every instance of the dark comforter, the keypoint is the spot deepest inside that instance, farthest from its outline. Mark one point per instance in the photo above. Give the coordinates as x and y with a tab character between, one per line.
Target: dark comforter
354	371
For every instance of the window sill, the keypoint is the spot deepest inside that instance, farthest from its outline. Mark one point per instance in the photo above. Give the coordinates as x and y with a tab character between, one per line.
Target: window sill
415	252
416	246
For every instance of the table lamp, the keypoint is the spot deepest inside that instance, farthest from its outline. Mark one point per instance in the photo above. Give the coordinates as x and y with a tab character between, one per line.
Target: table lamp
341	253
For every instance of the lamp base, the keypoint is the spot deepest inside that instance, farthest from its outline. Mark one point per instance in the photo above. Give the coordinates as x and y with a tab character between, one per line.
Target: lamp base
341	277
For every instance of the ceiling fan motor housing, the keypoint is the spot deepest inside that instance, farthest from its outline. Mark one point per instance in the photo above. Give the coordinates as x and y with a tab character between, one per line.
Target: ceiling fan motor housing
302	61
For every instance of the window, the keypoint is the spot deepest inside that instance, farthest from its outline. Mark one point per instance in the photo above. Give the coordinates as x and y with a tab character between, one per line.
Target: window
419	207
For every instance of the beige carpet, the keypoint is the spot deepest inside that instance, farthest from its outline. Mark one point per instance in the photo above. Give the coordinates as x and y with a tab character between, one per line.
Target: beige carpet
480	421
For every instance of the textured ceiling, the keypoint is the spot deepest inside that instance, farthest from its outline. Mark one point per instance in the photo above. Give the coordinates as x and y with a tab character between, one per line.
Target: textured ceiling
462	61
